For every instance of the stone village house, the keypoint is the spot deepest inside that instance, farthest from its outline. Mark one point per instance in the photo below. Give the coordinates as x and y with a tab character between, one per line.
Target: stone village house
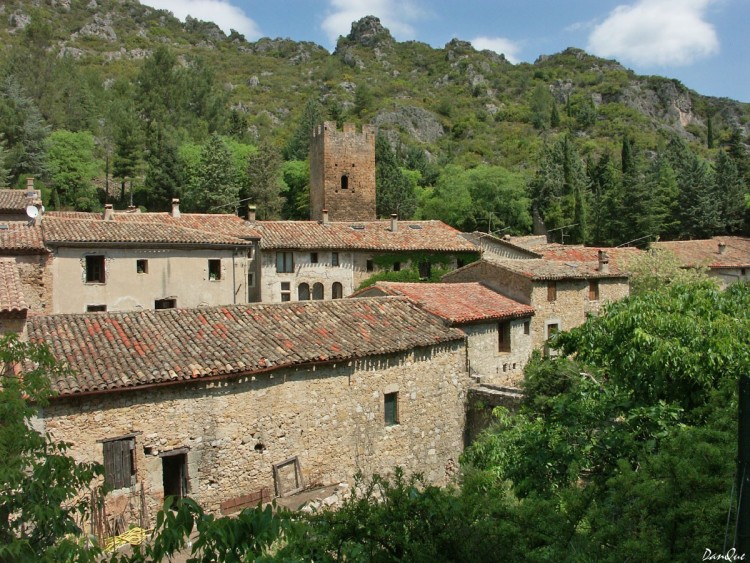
497	328
727	258
234	404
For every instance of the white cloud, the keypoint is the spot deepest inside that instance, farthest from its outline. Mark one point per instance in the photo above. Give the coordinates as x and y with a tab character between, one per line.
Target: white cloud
500	45
395	16
656	33
221	12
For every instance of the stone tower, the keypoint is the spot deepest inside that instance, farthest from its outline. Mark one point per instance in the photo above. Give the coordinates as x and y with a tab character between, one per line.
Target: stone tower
342	173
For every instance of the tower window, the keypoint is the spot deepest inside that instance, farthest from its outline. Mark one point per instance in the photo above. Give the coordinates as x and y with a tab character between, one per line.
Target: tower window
344	182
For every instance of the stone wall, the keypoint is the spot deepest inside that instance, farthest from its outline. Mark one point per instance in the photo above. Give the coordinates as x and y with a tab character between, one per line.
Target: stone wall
337	154
727	276
493	366
233	431
182	274
508	283
35	274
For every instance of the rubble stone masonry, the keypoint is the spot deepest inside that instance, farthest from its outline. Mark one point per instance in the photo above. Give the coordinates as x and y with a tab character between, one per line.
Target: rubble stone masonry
233	430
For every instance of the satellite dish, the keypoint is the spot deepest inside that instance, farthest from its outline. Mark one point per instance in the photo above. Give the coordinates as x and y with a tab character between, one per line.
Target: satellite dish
32	211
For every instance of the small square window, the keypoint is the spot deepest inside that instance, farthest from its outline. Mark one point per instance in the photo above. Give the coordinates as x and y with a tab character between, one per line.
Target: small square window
214	270
390	409
286	296
286	291
334	258
313	258
95	308
286	286
141	266
169	303
370	266
251	279
95	269
397	266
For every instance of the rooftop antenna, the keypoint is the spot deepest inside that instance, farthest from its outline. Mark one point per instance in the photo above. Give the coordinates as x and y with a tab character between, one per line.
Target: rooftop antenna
562	231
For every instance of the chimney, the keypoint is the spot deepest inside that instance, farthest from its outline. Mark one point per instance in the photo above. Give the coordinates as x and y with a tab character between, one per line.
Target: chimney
109	212
251	210
722	248
176	208
603	262
325	216
30	183
394	222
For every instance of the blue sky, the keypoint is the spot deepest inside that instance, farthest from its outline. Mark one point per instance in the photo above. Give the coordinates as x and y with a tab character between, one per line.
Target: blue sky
703	43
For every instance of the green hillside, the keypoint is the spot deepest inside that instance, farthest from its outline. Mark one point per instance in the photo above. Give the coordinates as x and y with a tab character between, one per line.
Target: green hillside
112	95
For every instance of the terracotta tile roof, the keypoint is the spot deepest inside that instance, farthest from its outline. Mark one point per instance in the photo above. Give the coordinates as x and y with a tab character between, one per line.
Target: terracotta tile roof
219	223
58	231
559	269
18	237
706	252
369	235
457	302
578	253
11	292
15	201
115	351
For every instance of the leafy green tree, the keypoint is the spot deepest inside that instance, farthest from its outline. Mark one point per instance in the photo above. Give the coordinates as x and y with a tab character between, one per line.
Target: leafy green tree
265	184
214	187
40	506
394	192
364	98
74	166
296	176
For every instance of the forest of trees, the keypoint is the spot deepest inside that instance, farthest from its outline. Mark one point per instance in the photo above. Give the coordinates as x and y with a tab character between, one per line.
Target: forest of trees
170	131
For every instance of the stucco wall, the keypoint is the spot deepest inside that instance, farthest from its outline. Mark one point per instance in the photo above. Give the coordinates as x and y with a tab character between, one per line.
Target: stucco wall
305	272
496	367
331	417
172	273
727	276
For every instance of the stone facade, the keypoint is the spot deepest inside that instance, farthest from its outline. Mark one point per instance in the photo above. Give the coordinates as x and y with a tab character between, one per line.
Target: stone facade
135	278
232	432
493	364
342	172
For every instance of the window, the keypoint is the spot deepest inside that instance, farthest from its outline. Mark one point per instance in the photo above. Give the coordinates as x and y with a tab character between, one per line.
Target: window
250	279
303	292
527	327
95	308
390	409
141	266
95	269
313	258
317	291
119	463
397	266
503	337
593	290
551	291
344	182
167	303
286	291
284	262
370	266
214	270
175	474
334	258
337	290
552	329
425	270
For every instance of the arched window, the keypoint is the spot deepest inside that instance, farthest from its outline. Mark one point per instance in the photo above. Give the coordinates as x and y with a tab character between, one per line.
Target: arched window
303	292
337	290
317	292
344	182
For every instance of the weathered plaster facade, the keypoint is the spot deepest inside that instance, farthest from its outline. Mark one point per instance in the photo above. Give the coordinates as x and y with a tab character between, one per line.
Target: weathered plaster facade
233	431
170	273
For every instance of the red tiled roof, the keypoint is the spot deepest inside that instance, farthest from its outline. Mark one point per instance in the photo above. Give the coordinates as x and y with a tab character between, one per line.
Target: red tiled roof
578	253
60	231
369	235
11	292
549	269
19	237
115	351
706	252
457	302
15	201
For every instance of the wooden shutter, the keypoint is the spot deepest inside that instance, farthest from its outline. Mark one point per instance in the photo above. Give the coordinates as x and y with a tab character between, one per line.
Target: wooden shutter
118	463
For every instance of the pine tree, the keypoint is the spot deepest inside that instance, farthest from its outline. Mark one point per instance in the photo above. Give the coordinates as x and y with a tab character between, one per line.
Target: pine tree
730	192
164	173
214	189
394	193
265	184
298	146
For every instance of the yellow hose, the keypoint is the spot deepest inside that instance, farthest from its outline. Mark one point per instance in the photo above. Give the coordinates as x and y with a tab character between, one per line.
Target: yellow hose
134	536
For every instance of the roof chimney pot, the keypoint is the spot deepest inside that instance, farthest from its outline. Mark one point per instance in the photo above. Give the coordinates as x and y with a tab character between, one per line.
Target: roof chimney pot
176	208
109	212
603	262
325	216
394	222
722	248
251	212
